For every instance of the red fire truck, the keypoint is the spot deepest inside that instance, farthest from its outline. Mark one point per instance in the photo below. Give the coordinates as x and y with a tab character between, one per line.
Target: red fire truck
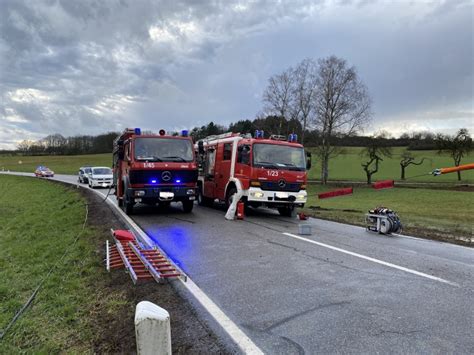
265	172
154	169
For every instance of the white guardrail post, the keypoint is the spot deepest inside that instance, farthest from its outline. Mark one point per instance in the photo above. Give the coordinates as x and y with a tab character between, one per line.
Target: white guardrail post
152	329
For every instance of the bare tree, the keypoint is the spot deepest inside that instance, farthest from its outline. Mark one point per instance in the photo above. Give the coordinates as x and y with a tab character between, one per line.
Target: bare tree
342	106
375	151
408	159
304	90
278	96
24	146
457	146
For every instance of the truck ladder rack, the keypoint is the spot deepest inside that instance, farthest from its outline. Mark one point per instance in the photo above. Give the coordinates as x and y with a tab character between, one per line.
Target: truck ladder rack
140	263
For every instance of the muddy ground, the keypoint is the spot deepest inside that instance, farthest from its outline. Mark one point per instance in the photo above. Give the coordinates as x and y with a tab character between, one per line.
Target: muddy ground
114	327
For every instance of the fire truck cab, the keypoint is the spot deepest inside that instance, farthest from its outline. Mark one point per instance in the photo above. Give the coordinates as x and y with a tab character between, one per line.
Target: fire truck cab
265	172
154	169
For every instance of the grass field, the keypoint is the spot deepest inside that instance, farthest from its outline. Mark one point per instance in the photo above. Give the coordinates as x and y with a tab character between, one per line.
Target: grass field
428	212
38	222
347	166
60	164
343	167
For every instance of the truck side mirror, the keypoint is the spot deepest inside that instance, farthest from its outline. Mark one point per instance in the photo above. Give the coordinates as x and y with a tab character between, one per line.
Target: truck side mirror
201	147
308	160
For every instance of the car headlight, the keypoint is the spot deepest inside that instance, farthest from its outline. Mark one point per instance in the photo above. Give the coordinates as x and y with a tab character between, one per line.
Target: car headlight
300	197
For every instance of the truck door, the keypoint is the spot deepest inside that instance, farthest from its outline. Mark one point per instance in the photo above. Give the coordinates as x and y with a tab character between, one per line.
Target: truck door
223	163
209	174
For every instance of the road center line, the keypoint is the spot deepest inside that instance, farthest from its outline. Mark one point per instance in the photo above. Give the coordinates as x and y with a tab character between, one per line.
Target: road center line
377	261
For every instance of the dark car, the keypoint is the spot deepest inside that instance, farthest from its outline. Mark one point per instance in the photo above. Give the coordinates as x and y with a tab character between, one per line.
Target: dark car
43	171
83	175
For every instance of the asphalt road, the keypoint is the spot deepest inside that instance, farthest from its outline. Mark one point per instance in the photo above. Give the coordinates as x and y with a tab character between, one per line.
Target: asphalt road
339	290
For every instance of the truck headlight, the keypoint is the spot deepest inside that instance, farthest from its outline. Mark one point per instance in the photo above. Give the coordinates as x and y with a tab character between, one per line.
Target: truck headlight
139	193
300	197
190	192
257	194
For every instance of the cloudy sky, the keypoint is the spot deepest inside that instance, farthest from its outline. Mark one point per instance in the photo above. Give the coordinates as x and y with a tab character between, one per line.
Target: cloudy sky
92	66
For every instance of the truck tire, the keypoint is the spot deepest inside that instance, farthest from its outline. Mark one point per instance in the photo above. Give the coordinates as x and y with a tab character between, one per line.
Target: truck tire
188	206
127	204
287	211
203	200
127	207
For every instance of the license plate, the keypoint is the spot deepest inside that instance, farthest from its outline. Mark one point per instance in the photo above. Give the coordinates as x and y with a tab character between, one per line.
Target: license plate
281	195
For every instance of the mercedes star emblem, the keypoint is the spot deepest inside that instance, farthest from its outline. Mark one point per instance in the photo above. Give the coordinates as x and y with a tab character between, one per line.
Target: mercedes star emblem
166	175
282	183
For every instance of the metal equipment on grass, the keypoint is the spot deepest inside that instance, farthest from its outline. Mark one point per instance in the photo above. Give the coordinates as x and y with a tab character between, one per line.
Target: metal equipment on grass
140	263
383	220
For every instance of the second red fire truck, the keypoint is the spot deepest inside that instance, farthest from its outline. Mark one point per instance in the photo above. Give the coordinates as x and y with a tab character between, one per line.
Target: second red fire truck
265	172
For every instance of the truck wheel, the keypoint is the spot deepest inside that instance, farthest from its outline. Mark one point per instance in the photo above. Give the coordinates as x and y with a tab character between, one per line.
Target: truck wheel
188	206
229	197
287	211
128	207
127	204
120	202
203	200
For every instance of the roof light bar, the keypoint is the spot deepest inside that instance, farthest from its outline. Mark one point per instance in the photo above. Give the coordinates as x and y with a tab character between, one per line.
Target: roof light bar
293	137
259	134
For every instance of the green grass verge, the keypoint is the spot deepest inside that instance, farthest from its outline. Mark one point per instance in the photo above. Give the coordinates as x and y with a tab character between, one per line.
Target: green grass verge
347	166
38	222
60	164
428	212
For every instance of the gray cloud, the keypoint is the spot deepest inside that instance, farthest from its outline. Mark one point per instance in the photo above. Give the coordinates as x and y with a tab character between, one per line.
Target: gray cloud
78	67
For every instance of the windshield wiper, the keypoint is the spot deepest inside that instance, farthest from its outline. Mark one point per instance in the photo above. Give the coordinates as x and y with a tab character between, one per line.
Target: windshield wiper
150	158
291	166
266	164
174	158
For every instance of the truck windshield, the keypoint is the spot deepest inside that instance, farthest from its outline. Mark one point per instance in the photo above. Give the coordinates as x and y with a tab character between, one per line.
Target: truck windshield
274	156
163	149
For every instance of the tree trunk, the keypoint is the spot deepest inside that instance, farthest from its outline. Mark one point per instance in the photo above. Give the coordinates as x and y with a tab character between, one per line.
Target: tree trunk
459	176
369	177
324	170
403	172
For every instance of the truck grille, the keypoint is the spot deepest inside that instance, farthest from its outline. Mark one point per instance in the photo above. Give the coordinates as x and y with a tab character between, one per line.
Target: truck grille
148	176
274	186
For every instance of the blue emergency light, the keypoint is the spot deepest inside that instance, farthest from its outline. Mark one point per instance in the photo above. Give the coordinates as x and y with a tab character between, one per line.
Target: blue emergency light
293	137
153	181
259	133
138	131
178	181
184	133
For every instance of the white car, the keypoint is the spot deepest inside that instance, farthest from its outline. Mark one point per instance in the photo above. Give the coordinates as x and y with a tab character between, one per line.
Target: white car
100	176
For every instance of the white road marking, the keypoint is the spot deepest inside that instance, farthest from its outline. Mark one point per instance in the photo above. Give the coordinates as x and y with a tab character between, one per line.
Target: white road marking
235	333
414	272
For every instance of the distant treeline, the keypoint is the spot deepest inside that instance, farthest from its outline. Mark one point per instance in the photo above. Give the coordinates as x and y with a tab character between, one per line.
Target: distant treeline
56	144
